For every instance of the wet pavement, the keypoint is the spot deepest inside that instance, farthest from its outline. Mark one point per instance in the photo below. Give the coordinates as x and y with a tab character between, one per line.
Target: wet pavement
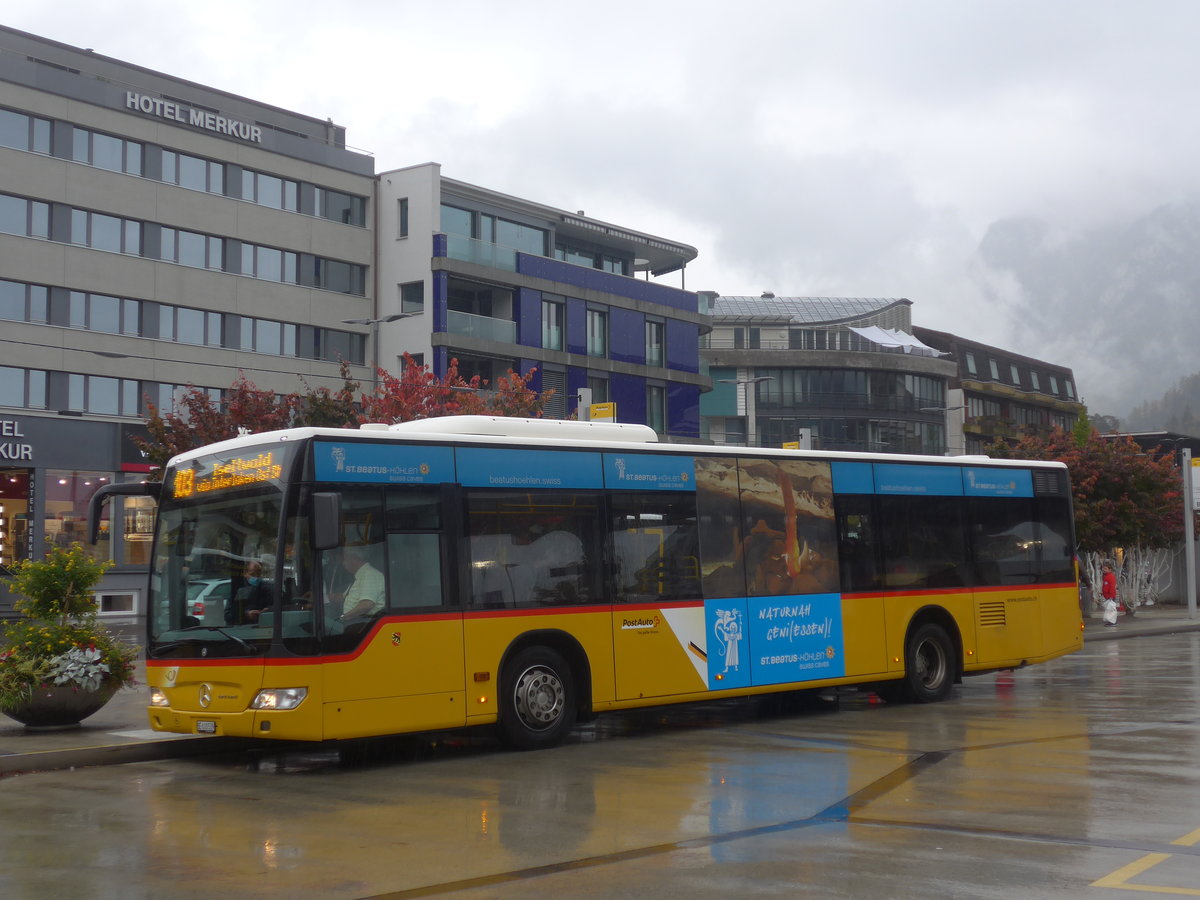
120	732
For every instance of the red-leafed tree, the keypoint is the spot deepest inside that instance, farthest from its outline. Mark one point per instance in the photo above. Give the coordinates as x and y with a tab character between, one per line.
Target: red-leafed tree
198	418
1128	504
419	394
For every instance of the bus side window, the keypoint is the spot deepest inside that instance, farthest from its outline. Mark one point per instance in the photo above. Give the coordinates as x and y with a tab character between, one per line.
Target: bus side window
655	547
414	523
533	548
1005	539
924	544
858	558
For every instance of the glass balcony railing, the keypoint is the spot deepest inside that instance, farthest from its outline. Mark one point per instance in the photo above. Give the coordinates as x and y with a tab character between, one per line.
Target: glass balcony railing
482	327
481	253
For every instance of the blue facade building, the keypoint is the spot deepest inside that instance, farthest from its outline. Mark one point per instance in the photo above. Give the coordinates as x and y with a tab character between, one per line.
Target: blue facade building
497	283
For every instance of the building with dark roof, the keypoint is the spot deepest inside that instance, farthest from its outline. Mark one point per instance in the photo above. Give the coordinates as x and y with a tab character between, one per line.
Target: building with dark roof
832	373
1000	395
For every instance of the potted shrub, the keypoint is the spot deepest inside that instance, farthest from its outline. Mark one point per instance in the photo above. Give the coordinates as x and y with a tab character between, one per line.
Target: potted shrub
58	664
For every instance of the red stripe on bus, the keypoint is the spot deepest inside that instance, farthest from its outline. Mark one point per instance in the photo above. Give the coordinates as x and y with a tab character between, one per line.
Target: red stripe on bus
941	592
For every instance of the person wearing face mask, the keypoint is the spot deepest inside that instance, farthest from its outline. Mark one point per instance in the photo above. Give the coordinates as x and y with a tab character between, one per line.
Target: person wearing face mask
251	599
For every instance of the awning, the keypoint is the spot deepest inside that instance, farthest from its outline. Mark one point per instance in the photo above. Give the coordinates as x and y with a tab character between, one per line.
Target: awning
896	340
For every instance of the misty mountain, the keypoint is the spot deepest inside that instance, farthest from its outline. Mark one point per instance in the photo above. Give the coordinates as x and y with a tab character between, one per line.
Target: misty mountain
1177	410
1118	304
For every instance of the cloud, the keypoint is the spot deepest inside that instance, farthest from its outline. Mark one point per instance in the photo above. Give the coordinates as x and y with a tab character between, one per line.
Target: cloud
804	146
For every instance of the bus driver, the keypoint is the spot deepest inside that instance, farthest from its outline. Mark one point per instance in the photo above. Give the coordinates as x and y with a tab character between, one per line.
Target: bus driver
364	598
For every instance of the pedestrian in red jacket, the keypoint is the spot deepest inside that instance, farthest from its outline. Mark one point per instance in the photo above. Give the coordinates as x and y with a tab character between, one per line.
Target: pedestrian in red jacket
1108	590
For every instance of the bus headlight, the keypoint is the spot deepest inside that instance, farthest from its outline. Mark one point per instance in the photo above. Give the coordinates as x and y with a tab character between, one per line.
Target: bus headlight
157	697
279	698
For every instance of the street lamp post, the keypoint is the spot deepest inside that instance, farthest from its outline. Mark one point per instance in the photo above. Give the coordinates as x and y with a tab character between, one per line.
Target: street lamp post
1189	537
375	323
745	384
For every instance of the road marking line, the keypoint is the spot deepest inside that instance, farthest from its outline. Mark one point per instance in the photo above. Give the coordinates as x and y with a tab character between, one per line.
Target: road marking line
1120	878
1189	840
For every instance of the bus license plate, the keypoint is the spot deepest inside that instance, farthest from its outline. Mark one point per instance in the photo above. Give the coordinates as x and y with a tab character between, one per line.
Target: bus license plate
205	726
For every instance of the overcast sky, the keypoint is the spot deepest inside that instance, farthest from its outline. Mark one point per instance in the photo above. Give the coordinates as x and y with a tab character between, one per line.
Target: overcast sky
809	148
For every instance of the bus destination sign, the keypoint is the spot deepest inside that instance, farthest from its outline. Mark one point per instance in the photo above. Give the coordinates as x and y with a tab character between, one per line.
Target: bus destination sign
237	472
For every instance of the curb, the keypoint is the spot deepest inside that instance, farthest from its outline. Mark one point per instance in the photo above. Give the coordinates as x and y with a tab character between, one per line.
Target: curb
1130	632
118	754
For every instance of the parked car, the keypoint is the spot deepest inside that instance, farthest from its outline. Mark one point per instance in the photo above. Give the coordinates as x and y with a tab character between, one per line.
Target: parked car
208	596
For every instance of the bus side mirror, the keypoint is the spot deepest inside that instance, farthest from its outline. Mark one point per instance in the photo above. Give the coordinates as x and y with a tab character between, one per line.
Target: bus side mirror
327	520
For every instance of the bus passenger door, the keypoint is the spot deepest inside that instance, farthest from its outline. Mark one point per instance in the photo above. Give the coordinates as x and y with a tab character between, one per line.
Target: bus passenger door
406	672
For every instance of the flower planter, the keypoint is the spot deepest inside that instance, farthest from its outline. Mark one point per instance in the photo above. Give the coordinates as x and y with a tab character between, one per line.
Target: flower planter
59	706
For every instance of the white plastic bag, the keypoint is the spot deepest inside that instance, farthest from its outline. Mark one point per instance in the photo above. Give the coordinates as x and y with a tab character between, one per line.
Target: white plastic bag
1110	612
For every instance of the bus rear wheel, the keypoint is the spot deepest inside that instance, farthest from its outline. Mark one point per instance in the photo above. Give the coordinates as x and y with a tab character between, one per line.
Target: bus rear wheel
538	700
929	664
929	668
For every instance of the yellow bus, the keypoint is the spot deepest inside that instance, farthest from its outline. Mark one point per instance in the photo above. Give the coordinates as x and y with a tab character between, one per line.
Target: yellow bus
532	573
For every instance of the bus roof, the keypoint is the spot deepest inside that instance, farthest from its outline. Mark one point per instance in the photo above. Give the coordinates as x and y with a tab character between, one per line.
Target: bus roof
560	434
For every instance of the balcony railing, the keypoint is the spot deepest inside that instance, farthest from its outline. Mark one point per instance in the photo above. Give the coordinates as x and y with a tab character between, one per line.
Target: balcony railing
771	401
853	345
482	327
482	253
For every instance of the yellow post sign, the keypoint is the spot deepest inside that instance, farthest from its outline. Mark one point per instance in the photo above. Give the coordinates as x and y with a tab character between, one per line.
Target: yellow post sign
602	412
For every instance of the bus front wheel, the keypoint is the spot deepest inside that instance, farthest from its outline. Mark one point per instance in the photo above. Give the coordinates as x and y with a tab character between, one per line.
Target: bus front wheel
538	706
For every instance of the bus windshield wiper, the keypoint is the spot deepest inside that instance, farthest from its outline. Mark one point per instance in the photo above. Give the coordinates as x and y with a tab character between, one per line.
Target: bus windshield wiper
221	631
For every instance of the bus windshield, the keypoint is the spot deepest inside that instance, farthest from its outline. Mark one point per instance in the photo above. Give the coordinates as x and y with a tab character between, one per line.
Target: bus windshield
215	563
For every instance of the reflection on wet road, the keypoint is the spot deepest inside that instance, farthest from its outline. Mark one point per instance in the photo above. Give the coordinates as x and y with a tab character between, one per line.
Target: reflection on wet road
1077	778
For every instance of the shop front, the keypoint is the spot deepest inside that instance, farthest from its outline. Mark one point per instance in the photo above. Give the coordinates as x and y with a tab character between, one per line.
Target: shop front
50	466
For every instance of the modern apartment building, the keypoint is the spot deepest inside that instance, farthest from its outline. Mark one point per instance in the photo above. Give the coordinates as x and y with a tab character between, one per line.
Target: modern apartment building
155	234
1000	395
831	373
497	282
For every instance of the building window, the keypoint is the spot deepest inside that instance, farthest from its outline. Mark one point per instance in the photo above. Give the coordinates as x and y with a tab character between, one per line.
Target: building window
970	358
117	604
597	333
109	233
412	297
337	206
22	388
1016	375
1054	385
750	338
457	221
1070	390
493	230
656	407
402	217
995	369
654	342
105	151
103	396
22	132
67	494
553	318
1034	380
